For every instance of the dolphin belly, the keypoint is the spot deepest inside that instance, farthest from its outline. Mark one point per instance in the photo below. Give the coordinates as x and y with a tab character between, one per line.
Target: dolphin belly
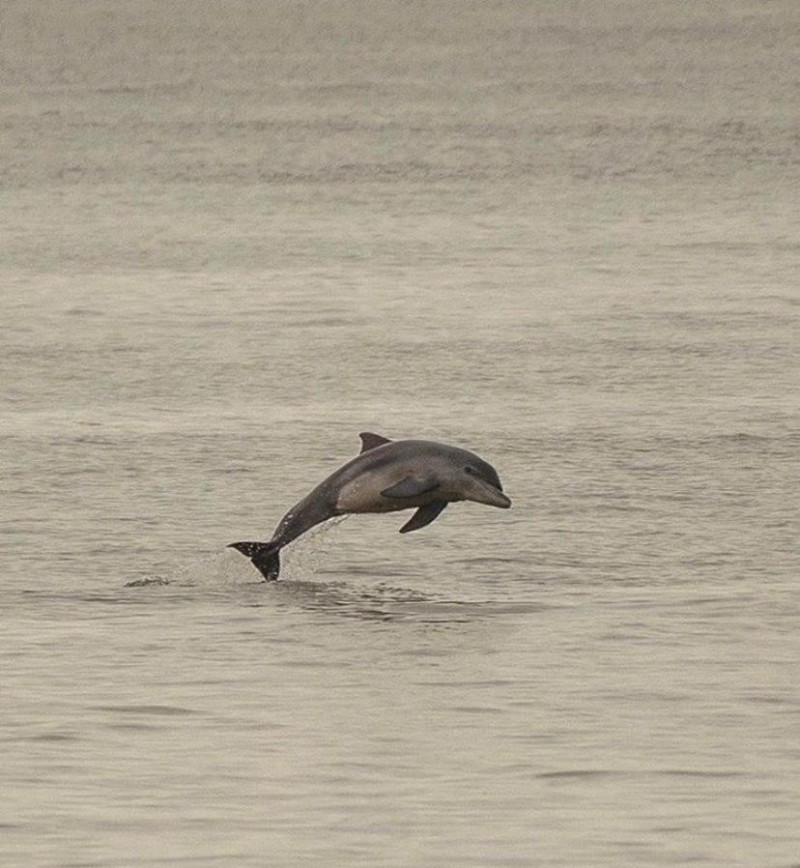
363	494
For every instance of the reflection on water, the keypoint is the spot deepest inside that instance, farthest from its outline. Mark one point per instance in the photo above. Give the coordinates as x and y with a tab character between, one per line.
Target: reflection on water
350	598
387	603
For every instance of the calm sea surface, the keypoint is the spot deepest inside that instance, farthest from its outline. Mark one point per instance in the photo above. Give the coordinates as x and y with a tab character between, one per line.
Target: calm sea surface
561	234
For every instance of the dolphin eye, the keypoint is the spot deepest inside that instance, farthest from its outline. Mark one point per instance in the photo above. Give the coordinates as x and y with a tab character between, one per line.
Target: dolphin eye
470	470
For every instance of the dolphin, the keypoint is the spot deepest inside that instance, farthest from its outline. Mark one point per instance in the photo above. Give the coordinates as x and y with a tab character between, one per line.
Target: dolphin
387	476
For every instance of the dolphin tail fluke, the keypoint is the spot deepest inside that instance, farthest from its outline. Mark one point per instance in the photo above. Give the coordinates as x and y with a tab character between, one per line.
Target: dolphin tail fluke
265	557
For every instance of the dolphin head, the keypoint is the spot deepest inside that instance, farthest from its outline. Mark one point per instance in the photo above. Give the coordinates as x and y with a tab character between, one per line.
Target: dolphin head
478	481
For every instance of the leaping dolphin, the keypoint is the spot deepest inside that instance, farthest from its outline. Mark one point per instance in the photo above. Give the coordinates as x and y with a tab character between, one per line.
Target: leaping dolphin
386	476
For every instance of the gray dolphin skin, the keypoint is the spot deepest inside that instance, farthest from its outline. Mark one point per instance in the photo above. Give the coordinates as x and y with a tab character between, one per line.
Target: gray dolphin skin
386	476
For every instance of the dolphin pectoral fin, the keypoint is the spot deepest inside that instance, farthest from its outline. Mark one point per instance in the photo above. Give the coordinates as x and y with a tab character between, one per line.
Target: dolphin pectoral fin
424	515
410	486
371	441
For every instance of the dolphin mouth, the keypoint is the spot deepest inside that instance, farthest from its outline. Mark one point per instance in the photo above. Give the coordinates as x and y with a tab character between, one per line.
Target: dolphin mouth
491	496
501	500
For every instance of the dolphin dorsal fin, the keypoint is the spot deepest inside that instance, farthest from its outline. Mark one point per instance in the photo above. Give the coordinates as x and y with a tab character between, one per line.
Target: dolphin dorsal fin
371	441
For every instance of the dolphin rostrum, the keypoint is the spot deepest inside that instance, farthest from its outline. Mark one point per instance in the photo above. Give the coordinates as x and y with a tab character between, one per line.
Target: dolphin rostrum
387	476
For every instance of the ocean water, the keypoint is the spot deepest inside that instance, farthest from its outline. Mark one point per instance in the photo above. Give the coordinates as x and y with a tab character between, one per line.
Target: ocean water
561	234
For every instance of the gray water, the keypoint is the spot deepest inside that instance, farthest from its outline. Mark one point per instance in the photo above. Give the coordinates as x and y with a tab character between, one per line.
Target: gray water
561	234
